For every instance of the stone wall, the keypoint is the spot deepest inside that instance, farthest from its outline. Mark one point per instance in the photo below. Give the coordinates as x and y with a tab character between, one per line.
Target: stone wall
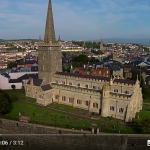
28	128
37	137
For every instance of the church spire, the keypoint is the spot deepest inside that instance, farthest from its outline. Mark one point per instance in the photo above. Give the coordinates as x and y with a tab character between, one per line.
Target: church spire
49	29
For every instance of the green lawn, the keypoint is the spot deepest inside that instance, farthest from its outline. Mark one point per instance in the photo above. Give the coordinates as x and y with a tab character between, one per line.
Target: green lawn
50	118
44	117
120	129
146	100
70	109
20	93
47	117
62	107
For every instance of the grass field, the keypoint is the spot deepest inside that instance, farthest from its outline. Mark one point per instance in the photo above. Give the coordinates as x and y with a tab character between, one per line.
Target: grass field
146	100
20	93
47	117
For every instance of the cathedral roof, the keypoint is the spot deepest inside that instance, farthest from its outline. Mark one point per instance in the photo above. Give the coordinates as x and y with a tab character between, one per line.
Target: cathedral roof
36	82
46	87
124	81
83	76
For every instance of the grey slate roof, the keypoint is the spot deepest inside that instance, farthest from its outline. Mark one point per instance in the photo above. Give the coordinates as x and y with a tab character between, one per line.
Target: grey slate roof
124	81
82	76
46	87
24	77
97	77
27	62
6	75
36	82
34	68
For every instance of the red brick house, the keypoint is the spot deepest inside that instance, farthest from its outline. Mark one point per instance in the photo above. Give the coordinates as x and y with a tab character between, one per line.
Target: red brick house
101	72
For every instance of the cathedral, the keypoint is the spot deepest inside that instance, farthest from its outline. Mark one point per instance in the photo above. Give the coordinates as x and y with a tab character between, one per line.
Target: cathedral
108	97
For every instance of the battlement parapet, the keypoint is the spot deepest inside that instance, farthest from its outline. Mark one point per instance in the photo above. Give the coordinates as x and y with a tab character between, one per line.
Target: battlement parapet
76	89
81	78
123	84
120	96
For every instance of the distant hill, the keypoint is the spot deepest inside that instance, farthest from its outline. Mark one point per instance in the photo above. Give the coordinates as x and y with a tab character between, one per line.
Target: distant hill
21	40
143	41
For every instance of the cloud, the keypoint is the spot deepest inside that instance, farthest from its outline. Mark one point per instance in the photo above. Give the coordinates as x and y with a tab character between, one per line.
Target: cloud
80	19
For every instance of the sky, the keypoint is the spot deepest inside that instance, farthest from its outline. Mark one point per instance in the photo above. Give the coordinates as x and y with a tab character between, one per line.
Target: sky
76	19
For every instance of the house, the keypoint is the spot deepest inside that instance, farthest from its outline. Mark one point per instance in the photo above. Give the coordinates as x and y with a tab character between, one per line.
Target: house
95	65
127	73
101	72
28	62
80	70
6	82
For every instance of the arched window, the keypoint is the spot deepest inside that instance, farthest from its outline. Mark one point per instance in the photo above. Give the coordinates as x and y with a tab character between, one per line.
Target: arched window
79	101
63	82
126	92
86	86
116	90
70	83
63	98
112	108
86	103
78	84
56	96
95	105
121	110
94	87
71	100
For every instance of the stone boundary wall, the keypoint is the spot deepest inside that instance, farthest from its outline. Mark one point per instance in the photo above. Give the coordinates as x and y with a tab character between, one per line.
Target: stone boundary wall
37	137
28	128
70	142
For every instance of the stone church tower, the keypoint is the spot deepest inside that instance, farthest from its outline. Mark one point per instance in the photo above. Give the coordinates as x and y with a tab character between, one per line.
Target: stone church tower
49	51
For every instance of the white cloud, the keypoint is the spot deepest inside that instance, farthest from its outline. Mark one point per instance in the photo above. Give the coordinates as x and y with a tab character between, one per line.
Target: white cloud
72	21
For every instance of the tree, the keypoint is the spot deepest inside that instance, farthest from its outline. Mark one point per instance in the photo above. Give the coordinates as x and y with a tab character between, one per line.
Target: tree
13	86
63	68
5	103
94	60
82	58
10	65
76	64
146	125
